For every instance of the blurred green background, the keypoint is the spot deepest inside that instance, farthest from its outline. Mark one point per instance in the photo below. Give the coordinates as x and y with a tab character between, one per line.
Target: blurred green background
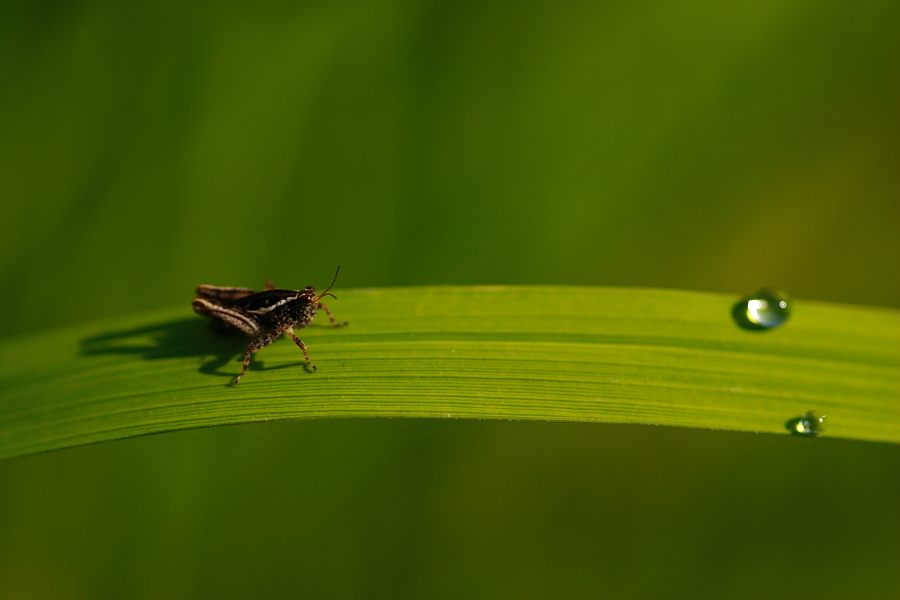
146	148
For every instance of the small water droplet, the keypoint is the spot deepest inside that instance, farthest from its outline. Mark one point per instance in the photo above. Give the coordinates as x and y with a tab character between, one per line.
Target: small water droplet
763	310
811	424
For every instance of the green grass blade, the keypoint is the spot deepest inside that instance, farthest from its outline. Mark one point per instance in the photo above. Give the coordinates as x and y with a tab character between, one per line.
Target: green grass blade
587	354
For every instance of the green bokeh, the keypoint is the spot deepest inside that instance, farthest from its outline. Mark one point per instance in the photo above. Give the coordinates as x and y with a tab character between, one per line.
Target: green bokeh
147	148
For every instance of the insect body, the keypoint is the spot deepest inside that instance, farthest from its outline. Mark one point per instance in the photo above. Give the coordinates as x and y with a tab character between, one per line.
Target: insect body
262	316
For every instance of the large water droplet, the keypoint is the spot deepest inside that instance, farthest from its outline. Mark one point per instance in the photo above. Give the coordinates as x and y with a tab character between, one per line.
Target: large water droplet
810	425
765	309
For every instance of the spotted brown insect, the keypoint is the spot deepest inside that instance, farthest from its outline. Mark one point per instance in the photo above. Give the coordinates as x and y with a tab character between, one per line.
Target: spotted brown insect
262	316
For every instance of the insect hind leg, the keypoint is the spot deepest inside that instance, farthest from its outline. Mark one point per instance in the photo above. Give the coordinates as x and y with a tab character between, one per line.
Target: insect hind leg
255	345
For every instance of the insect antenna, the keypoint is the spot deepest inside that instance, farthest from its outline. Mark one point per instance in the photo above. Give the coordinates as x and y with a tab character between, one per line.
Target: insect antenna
325	293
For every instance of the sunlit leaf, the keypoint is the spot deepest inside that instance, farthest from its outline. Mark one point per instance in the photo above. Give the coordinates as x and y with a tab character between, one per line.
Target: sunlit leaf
581	354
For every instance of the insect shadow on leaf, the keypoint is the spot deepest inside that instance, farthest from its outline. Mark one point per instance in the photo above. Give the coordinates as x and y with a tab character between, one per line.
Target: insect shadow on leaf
174	339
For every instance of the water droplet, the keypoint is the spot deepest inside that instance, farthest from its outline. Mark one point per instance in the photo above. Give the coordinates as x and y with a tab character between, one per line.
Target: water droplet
763	310
810	425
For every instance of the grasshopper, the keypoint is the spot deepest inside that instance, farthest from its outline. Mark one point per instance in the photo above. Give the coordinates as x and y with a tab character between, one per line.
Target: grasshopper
262	316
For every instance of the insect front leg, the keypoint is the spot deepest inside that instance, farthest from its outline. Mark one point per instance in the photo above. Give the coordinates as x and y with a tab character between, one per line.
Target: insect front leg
331	316
302	346
257	344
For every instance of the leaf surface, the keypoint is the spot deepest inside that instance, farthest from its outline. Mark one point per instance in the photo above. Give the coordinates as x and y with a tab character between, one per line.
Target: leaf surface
583	354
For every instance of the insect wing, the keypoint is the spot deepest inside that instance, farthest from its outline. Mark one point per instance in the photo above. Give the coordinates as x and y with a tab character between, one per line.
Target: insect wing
265	302
223	294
